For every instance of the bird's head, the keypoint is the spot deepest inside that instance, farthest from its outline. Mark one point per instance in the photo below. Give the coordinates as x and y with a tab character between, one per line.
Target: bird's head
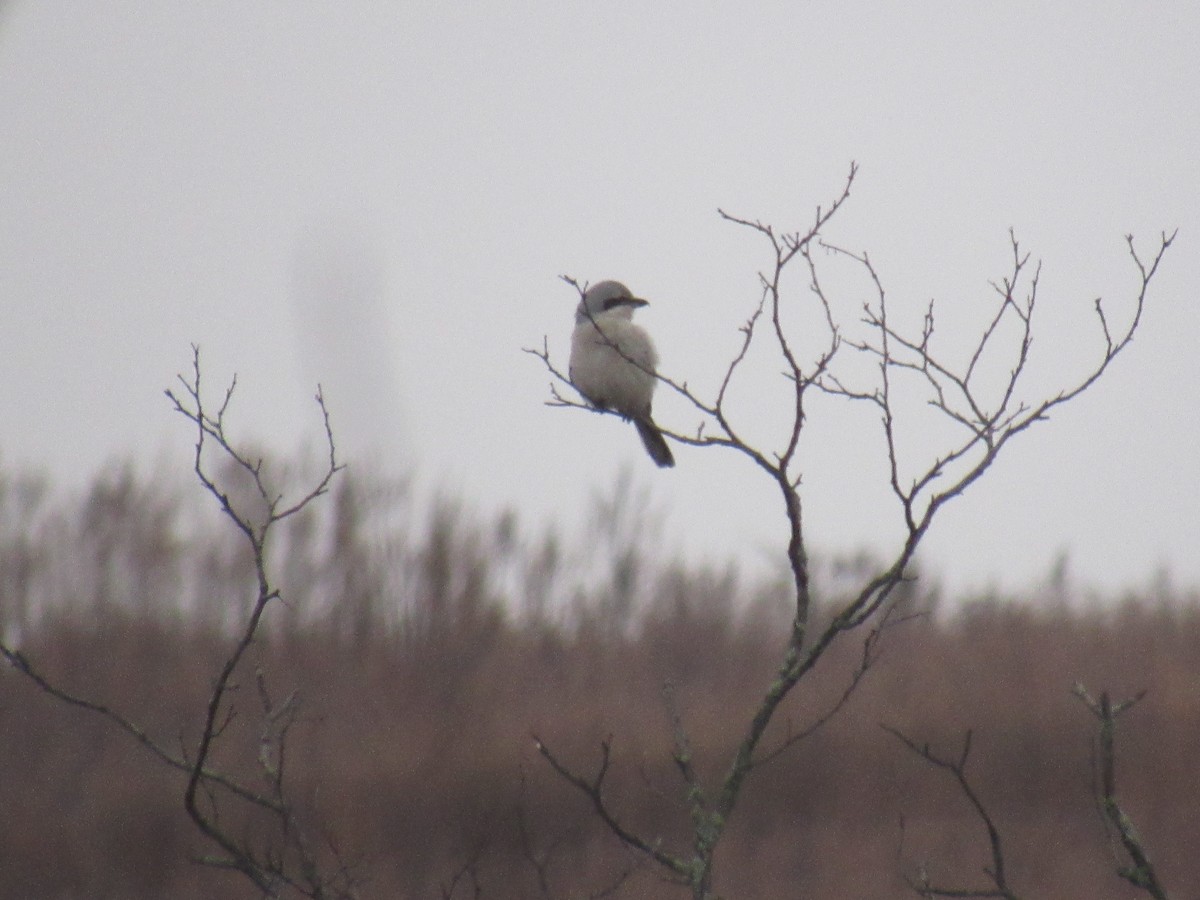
607	298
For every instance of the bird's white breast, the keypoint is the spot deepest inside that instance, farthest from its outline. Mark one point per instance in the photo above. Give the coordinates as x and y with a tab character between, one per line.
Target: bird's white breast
620	379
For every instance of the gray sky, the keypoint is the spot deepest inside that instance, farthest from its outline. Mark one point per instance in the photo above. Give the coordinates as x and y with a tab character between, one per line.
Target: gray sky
379	197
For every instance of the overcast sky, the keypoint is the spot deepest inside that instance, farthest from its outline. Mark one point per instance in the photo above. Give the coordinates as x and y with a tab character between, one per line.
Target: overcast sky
380	196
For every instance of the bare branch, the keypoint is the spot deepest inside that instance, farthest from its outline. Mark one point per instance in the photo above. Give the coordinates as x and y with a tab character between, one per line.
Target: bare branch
1140	872
467	874
957	769
593	789
292	865
262	870
870	653
683	752
176	761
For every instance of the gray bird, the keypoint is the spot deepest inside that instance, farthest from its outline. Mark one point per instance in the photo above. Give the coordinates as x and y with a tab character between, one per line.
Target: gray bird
613	361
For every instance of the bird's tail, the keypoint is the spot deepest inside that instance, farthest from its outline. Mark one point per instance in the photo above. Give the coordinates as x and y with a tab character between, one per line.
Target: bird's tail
655	443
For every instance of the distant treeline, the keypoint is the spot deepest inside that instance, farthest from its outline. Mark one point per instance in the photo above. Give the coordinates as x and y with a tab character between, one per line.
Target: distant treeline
427	647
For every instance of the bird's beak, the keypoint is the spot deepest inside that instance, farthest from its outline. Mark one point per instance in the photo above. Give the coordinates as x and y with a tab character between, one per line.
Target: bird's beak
638	301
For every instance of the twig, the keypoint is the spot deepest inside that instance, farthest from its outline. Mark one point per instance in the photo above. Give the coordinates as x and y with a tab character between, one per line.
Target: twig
593	789
957	769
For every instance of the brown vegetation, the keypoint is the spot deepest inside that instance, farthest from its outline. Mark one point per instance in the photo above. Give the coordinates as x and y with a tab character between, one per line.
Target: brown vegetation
426	649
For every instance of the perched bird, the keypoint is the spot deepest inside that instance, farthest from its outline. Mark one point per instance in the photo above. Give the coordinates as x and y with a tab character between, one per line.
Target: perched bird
613	360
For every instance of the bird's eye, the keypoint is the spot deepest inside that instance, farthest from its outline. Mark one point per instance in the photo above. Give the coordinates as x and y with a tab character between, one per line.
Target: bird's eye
615	301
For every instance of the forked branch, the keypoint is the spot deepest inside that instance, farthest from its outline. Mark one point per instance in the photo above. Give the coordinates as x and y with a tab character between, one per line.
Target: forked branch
286	862
957	769
987	417
1139	871
593	789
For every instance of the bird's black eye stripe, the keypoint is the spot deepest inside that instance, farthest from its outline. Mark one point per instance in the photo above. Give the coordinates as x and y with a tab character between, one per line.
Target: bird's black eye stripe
615	301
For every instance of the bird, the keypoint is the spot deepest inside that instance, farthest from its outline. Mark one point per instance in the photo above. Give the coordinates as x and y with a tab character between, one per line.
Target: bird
613	361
